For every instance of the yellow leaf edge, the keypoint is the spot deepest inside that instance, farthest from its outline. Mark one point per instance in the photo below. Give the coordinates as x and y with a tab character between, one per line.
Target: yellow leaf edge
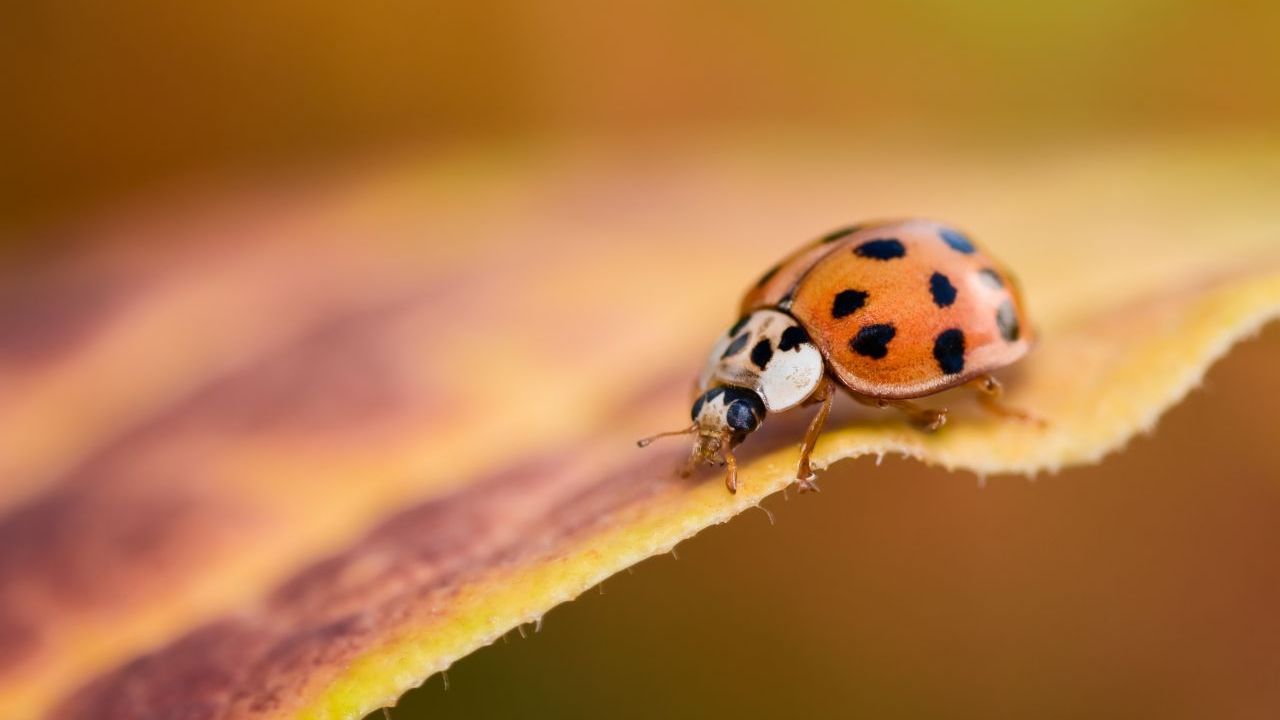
485	611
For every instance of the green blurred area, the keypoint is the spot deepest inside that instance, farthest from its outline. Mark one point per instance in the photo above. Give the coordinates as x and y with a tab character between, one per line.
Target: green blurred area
1145	587
113	103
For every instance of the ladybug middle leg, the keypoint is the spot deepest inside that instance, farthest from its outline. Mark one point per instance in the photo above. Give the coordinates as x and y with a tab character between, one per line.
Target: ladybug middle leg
804	472
925	418
989	393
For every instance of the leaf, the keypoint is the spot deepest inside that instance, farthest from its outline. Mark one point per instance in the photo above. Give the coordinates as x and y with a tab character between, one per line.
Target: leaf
289	458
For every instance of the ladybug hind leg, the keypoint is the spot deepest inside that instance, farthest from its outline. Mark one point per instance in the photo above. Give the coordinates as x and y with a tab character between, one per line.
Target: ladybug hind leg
990	391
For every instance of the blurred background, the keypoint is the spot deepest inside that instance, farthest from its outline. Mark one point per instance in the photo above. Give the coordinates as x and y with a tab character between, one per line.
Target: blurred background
1144	587
114	103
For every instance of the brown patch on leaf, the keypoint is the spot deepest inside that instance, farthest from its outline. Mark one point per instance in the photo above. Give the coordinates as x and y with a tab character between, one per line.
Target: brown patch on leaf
402	574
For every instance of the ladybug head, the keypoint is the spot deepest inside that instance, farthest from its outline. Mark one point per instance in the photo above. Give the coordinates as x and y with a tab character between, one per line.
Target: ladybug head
724	416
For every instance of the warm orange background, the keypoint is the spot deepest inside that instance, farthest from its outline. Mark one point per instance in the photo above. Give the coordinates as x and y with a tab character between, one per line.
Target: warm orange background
1145	587
108	102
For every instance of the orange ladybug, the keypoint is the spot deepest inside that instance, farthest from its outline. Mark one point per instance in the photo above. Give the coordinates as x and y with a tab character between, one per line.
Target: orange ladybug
887	311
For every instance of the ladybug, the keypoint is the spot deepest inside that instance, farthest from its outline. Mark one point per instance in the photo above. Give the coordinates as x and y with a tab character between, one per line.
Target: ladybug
886	311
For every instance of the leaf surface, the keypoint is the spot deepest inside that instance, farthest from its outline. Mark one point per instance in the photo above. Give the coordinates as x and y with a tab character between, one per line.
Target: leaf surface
290	460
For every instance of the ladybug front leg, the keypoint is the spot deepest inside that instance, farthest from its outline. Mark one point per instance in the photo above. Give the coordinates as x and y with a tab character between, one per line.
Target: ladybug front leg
804	472
731	474
989	393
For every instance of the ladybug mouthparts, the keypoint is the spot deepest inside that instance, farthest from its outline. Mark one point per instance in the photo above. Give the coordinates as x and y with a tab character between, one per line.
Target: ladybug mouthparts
707	447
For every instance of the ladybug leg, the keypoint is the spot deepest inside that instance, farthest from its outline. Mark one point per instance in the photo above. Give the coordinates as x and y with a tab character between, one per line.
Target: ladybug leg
989	393
804	473
927	419
688	466
731	474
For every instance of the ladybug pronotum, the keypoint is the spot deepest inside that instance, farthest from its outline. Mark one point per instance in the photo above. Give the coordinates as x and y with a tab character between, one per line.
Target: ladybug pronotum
886	311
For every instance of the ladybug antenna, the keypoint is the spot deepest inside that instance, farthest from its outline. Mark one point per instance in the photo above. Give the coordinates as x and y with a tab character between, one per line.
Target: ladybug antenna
646	442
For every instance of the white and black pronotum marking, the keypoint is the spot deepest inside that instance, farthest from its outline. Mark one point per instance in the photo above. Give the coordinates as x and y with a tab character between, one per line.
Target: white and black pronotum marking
770	353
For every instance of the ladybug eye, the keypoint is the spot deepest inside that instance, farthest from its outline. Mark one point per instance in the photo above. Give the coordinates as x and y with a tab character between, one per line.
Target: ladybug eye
741	417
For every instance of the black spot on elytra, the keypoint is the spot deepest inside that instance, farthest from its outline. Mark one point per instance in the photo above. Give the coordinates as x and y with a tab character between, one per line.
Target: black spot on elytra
736	346
1007	321
873	340
883	249
768	275
842	232
762	353
957	241
948	350
847	302
792	338
944	293
738	325
991	278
